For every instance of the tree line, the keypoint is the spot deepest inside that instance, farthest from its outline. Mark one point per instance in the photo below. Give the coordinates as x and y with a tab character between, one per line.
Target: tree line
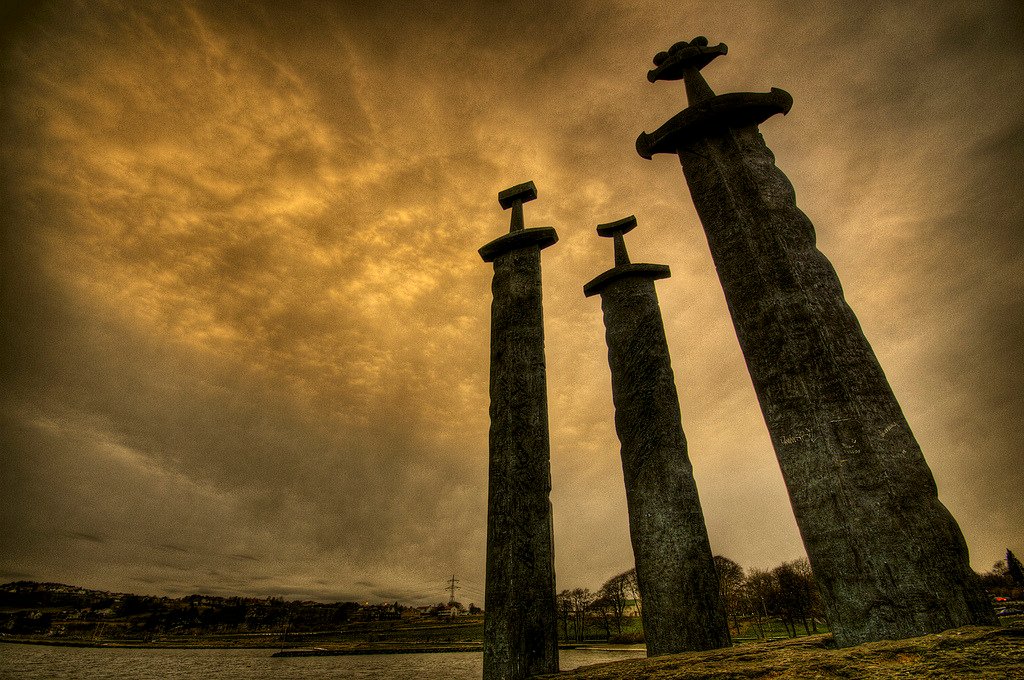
609	608
1005	581
786	593
29	608
757	602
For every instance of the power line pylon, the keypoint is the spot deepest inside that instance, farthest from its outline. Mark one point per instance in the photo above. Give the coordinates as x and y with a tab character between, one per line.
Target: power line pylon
452	587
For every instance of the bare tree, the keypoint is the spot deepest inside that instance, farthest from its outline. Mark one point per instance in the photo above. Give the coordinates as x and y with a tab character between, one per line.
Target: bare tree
564	603
759	590
632	588
603	611
614	595
787	602
730	583
581	599
814	607
997	580
796	596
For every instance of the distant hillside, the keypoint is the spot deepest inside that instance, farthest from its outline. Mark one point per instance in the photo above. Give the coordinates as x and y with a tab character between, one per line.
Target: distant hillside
57	611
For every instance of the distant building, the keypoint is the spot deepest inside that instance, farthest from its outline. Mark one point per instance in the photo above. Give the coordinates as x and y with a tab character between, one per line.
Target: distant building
447	610
379	612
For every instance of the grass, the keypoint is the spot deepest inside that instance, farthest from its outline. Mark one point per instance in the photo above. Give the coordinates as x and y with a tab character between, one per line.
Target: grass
969	652
771	629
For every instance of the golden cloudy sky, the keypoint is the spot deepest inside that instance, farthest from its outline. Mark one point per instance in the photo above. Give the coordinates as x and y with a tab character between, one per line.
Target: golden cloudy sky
244	324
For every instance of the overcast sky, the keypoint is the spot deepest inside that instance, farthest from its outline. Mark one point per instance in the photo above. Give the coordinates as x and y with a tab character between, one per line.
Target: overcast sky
245	325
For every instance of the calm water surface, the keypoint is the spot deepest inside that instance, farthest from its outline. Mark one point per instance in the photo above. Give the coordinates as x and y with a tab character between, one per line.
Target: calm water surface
40	661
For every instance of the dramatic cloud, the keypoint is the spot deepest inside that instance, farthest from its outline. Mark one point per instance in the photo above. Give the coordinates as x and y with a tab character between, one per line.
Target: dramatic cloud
245	326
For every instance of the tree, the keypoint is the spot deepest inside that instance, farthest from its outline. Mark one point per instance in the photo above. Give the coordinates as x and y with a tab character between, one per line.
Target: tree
996	578
797	596
564	603
759	590
133	605
614	595
730	584
1013	569
790	599
998	581
815	607
603	610
581	599
632	587
342	612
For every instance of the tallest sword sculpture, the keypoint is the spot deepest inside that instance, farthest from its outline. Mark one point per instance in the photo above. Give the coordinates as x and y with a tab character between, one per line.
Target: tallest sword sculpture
889	559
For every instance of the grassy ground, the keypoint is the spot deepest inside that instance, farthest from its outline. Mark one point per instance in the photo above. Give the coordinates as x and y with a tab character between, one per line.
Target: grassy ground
970	652
633	631
417	631
771	629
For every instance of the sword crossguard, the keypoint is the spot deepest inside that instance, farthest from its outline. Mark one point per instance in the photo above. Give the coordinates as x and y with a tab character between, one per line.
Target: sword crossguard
616	230
514	197
623	268
518	236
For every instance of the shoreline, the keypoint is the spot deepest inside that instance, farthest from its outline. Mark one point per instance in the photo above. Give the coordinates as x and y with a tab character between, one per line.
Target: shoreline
353	650
128	644
276	649
359	651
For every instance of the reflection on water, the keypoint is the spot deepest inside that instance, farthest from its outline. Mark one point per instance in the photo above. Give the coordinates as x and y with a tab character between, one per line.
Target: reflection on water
39	661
